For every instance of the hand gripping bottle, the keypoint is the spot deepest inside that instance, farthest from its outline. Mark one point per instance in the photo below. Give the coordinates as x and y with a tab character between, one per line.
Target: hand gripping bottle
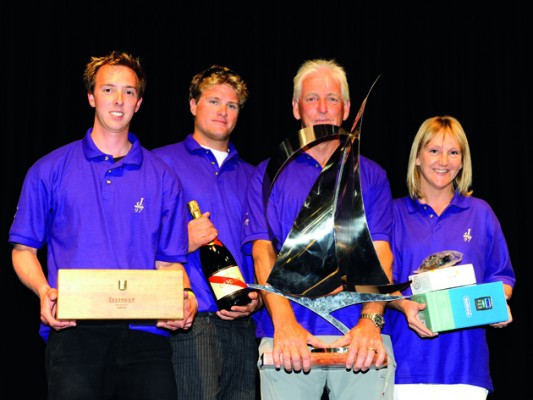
221	270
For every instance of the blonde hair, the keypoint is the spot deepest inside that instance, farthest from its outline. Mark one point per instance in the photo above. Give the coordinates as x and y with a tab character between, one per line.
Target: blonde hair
430	128
114	58
216	75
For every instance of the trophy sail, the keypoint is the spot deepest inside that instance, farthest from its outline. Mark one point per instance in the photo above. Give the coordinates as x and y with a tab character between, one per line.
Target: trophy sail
307	261
329	244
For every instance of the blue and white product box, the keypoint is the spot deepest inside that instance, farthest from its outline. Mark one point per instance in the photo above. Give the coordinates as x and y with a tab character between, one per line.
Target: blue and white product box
463	307
442	278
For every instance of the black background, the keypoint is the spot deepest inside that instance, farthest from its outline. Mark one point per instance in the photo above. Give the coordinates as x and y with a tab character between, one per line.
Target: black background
433	58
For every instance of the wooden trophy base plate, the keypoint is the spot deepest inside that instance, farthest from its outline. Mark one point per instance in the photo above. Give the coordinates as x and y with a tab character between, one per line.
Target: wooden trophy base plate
321	358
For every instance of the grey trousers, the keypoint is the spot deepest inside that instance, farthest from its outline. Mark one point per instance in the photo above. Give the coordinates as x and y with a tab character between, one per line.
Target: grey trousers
216	359
339	383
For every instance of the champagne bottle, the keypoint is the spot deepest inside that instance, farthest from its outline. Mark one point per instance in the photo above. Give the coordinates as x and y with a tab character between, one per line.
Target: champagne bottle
221	270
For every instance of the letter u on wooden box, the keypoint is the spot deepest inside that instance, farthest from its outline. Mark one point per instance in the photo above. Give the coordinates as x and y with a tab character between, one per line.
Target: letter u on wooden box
119	294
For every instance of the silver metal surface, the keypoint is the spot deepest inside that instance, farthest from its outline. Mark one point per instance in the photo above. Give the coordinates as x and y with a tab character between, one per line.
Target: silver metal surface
330	242
329	245
325	305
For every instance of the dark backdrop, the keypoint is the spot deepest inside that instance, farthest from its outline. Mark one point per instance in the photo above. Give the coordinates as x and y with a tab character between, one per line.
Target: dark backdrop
445	58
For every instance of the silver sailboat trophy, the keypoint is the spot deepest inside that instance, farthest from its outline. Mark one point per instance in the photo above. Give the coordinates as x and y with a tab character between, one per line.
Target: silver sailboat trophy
329	245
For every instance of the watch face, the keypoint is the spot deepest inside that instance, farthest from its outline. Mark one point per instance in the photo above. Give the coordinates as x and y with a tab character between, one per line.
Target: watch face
377	319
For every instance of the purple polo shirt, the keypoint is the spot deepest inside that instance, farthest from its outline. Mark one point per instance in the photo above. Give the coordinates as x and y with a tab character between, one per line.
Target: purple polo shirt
221	190
469	226
287	197
93	213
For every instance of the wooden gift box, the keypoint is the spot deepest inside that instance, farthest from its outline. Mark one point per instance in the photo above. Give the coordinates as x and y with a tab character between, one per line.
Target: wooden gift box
119	294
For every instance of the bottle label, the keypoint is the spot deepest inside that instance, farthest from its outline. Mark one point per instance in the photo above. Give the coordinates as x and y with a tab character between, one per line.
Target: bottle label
227	281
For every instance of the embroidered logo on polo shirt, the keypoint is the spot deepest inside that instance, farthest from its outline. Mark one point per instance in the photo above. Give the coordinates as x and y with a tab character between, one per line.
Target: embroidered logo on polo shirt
466	236
139	205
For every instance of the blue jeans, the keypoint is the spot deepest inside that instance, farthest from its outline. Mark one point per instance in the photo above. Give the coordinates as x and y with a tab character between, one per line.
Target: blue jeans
108	361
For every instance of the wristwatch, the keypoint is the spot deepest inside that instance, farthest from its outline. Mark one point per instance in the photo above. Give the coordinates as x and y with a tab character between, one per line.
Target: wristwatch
377	319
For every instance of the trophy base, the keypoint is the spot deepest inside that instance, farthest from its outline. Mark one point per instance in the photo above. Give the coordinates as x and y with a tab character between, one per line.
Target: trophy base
334	357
